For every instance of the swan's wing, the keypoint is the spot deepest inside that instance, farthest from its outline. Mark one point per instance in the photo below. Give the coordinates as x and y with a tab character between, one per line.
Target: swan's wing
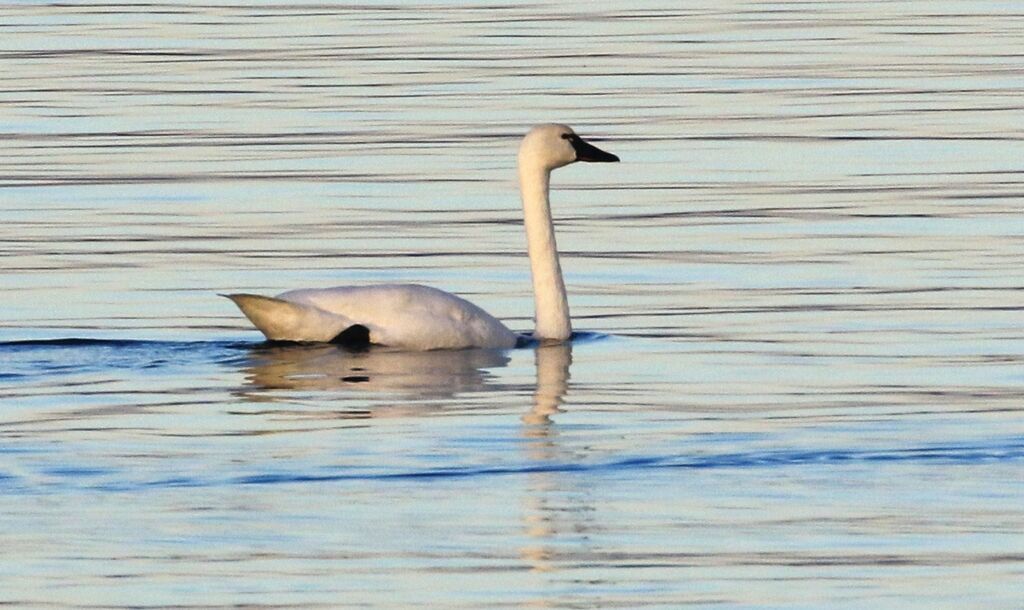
409	316
282	320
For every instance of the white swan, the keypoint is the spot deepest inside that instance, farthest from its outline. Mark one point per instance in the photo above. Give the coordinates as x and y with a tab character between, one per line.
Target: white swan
413	317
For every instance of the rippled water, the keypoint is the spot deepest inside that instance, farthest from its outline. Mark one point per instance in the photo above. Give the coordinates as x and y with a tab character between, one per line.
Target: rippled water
801	384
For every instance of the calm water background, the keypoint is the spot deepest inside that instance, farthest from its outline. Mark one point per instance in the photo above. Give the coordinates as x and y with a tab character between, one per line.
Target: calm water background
806	385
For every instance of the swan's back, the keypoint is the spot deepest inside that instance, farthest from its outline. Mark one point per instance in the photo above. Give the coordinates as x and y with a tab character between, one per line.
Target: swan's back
409	316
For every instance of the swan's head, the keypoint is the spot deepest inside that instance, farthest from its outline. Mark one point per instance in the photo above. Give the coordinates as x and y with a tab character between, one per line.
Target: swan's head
552	146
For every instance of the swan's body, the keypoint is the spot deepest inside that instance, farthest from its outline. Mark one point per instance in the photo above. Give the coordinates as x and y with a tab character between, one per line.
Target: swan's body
399	315
416	317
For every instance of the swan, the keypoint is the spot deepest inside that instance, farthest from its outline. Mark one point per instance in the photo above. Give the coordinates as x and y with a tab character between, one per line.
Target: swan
414	317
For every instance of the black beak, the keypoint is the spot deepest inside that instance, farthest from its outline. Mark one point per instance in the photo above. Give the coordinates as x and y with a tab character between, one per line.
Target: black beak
588	152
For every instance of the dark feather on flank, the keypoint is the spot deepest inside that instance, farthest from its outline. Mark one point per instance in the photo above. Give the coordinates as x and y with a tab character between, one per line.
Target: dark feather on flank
355	337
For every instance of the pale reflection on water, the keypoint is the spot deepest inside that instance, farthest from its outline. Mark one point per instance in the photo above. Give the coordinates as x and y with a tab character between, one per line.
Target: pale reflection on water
329	367
806	391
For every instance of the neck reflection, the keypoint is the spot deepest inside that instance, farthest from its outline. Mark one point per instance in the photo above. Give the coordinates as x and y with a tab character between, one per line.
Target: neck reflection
556	512
552	364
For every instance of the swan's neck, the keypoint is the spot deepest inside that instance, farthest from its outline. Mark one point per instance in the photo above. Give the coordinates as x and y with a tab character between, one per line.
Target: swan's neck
552	307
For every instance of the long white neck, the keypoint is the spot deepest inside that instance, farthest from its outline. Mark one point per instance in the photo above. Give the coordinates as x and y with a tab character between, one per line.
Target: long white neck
552	306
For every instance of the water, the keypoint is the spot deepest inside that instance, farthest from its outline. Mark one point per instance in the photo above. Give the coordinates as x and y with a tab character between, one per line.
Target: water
802	381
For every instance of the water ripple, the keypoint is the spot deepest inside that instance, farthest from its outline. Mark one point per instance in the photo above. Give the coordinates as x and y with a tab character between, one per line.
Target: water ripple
1007	450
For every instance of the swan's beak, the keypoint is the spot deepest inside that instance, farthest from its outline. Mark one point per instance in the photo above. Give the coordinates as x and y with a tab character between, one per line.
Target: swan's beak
585	151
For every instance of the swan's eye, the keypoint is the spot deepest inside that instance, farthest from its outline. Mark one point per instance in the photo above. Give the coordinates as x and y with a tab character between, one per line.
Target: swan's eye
567	136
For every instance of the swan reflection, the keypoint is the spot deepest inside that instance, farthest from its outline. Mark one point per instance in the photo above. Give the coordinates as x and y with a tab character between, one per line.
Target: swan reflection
329	367
552	363
557	513
554	508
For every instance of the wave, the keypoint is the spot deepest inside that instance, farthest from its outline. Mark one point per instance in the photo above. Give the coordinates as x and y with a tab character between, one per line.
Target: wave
1001	451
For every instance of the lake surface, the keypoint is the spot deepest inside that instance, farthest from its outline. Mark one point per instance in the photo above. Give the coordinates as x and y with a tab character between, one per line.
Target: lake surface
801	383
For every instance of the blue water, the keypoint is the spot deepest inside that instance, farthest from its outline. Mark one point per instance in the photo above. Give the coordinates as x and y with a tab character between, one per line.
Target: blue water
798	376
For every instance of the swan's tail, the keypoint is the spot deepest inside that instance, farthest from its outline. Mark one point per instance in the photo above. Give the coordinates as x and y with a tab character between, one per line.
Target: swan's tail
281	320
